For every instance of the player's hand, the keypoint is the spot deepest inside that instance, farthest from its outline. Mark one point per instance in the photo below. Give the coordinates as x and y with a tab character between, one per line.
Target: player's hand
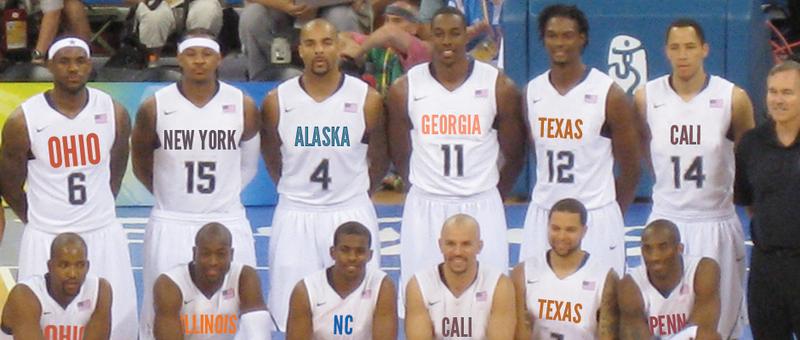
350	49
477	29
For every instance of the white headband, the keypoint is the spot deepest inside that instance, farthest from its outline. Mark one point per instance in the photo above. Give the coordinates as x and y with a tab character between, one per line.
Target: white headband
68	42
198	42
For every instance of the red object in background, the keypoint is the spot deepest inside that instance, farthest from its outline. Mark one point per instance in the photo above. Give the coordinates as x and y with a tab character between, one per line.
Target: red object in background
369	79
15	29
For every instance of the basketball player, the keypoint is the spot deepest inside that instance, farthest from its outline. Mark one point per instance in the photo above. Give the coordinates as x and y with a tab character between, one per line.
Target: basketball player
460	297
566	292
451	121
671	291
210	297
324	144
693	121
187	150
63	156
346	300
64	303
582	124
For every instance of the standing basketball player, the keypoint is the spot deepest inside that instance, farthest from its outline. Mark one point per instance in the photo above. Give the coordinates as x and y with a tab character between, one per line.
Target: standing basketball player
325	147
451	122
566	292
187	152
581	124
671	291
694	119
65	303
70	146
346	300
210	297
460	297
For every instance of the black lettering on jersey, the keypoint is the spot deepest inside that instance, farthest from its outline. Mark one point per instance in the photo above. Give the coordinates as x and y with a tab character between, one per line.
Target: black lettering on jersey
312	136
218	139
178	139
457	327
684	134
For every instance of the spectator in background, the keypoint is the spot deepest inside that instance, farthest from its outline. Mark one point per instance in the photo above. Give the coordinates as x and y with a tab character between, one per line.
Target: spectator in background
390	50
74	15
262	21
155	21
486	38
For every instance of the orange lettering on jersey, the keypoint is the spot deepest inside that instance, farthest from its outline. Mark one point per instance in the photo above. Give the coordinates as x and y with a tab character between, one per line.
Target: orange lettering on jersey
74	150
560	128
684	134
556	310
667	324
209	323
63	332
451	124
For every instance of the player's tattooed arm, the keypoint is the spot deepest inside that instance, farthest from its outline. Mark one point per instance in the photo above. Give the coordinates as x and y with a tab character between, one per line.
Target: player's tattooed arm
252	119
640	104
167	302
608	323
632	318
399	126
706	309
384	320
121	148
270	140
14	154
144	141
625	128
742	118
99	325
510	132
299	325
375	136
503	316
524	327
418	322
21	314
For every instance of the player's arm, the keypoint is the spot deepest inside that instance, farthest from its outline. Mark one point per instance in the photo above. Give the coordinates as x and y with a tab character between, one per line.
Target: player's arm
418	322
250	144
632	317
706	309
640	104
510	133
608	320
167	302
99	325
742	118
502	318
384	320
625	142
22	313
254	319
14	153
270	139
377	148
524	327
299	325
144	141
121	147
252	119
399	127
742	189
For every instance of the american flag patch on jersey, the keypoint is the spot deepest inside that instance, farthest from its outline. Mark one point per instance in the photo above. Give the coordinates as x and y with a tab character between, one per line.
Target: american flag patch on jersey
229	108
588	285
480	296
350	107
85	305
366	294
481	93
101	118
590	98
228	294
715	103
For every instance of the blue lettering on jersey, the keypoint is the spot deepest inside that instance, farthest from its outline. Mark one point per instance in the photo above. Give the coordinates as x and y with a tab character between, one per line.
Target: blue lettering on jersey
312	136
342	324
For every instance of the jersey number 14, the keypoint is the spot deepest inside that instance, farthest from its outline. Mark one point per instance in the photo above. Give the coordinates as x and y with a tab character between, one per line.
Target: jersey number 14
692	174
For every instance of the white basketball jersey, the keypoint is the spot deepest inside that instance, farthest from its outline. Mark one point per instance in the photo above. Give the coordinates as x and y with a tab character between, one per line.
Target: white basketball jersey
692	156
69	176
454	148
573	157
197	165
323	144
564	308
668	315
65	323
350	317
206	318
465	316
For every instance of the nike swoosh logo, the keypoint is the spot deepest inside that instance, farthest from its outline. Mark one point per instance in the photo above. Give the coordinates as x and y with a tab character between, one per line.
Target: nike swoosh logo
433	303
47	313
187	302
532	281
612	247
536	100
419	98
286	110
320	303
658	105
40	129
167	113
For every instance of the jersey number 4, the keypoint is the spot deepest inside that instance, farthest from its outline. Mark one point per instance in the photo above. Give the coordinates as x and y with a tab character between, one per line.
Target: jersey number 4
693	173
320	174
201	173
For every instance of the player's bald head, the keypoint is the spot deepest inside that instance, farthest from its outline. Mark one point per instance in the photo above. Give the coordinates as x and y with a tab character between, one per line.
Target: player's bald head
662	228
67	241
319	26
213	232
461	222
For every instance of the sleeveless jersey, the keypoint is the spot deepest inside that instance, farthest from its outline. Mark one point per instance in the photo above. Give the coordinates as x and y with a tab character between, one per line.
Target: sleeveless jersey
350	317
205	318
69	175
573	158
454	147
564	308
465	316
65	323
197	166
323	144
692	157
667	316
